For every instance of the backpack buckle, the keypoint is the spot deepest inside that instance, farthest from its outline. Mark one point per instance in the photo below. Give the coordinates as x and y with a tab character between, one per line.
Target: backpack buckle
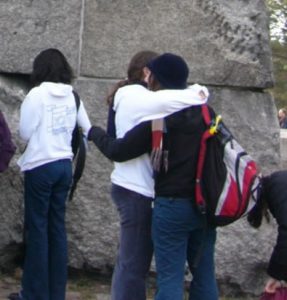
202	208
214	127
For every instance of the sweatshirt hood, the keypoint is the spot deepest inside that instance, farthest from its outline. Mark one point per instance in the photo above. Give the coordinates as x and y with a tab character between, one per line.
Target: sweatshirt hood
57	89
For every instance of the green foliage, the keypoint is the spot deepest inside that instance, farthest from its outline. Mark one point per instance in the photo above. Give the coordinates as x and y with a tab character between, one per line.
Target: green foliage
278	38
278	19
279	56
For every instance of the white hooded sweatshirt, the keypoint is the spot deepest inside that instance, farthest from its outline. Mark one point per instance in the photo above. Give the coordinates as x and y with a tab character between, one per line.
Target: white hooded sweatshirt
47	119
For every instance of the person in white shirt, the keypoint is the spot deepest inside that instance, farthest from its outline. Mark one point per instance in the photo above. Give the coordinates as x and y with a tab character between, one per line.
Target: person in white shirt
132	181
47	119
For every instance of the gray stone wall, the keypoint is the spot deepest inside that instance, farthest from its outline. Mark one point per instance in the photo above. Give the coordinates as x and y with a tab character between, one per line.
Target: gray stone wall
225	43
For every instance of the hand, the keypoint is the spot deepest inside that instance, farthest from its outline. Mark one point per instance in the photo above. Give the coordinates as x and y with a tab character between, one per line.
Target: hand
271	285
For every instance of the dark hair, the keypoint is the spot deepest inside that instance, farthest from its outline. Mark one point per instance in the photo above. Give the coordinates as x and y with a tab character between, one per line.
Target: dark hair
260	210
170	70
134	72
51	65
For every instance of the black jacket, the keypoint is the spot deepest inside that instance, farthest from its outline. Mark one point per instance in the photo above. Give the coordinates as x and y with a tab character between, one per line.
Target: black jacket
184	130
275	191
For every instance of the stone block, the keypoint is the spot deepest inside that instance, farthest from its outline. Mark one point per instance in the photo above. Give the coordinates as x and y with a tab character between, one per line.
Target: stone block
251	117
28	27
220	46
242	255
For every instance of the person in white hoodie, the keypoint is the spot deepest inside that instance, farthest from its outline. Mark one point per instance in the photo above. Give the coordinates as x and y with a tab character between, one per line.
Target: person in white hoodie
47	119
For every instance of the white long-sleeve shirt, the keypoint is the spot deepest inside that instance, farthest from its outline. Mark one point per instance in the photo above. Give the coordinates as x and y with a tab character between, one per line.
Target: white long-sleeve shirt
47	119
134	104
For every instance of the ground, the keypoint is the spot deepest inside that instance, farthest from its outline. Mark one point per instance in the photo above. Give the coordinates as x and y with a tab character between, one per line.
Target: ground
80	287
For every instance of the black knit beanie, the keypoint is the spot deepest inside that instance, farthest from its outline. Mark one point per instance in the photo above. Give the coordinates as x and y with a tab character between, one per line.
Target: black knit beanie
170	70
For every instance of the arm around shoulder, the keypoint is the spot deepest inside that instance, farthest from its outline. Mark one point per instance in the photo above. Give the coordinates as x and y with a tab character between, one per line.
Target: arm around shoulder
165	102
136	142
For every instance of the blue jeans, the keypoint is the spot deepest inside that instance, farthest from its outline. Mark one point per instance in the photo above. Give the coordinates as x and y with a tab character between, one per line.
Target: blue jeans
135	245
45	266
178	232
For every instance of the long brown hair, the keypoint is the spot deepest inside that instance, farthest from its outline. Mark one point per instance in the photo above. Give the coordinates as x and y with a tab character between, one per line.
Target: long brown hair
153	83
134	72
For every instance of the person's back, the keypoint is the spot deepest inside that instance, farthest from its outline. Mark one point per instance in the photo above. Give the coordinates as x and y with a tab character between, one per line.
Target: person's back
182	141
55	114
47	118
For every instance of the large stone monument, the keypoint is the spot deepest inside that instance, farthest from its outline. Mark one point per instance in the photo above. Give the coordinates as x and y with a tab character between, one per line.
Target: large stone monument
226	45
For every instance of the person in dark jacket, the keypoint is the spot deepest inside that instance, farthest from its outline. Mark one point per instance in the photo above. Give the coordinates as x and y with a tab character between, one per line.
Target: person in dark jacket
273	199
178	229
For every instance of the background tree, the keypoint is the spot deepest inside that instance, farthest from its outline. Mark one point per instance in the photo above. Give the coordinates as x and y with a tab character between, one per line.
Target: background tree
278	40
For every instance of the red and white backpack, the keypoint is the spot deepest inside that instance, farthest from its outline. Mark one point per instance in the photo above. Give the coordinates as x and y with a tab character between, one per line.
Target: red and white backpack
228	181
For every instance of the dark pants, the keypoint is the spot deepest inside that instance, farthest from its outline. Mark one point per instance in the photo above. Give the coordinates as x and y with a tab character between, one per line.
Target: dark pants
178	234
135	245
45	266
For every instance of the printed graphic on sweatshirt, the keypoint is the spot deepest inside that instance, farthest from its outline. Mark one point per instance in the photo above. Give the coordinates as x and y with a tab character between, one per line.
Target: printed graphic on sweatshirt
61	118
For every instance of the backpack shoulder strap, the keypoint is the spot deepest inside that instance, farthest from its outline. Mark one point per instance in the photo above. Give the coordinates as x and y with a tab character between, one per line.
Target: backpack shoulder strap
200	201
80	152
199	198
206	114
76	130
79	167
77	99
